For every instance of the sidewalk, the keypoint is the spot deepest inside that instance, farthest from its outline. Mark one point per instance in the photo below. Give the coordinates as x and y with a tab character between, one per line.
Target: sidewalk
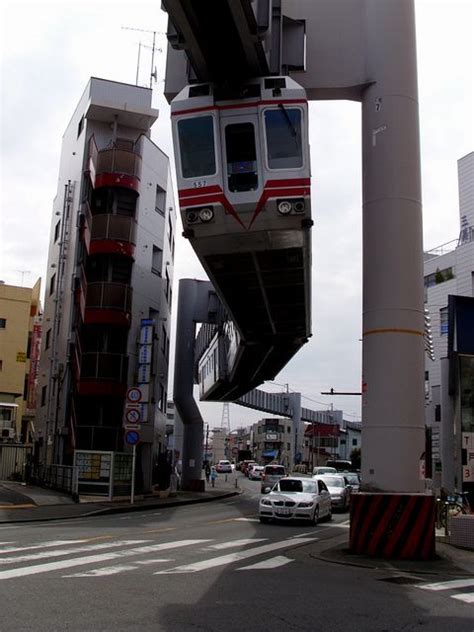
28	503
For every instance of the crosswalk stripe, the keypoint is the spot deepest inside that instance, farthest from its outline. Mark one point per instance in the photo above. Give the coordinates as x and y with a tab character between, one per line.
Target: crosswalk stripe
233	544
91	559
455	583
272	562
115	570
246	519
234	557
61	552
43	545
466	597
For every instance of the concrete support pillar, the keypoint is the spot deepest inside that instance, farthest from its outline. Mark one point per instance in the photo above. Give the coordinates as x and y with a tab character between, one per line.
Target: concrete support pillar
393	432
297	427
193	304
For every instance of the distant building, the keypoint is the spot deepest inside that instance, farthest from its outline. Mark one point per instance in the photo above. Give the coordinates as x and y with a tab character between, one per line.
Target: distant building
20	334
448	270
350	439
273	441
218	444
321	442
109	281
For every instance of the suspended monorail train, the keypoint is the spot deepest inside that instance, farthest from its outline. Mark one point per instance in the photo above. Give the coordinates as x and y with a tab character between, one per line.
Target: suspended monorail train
243	173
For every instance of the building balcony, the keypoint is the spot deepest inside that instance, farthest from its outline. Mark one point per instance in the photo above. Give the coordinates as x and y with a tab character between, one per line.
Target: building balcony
108	304
108	234
114	167
103	373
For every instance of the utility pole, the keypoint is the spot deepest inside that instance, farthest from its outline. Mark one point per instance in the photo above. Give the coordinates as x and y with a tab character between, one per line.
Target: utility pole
207	442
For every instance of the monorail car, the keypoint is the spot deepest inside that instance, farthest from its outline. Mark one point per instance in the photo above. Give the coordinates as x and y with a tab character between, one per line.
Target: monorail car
243	173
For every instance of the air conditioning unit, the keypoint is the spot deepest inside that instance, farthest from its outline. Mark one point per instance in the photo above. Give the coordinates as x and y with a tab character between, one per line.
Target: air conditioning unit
8	433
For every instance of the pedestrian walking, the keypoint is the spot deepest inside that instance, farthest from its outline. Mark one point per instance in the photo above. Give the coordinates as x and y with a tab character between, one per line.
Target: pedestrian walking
207	471
213	476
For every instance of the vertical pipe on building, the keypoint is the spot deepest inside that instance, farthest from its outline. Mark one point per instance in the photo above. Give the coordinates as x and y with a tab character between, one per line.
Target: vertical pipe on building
393	317
447	429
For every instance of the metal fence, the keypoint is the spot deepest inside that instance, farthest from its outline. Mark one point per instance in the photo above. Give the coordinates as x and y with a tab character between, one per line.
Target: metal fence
63	478
13	460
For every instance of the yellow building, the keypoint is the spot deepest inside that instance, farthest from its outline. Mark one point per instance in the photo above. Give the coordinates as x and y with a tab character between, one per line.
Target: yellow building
20	335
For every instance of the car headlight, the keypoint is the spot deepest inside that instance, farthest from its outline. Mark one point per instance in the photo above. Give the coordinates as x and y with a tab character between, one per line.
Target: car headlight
266	502
305	504
284	207
206	214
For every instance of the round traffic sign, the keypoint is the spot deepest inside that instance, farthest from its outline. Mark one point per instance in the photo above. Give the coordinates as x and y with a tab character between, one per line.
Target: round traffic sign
134	394
132	437
132	415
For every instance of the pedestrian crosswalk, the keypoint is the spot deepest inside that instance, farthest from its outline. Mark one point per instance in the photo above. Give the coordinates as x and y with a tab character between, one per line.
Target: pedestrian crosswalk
454	585
97	558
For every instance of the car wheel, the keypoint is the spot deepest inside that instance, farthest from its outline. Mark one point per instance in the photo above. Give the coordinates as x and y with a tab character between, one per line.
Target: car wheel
264	520
316	516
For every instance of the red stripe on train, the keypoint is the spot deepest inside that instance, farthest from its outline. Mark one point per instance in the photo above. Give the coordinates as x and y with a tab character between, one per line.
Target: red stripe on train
237	106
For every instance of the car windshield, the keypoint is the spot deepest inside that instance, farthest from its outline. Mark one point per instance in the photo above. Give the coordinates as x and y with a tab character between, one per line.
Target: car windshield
275	470
292	485
333	481
353	479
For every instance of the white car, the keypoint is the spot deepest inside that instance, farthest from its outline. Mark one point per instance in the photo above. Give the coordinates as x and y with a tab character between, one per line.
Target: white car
339	489
224	467
295	498
256	473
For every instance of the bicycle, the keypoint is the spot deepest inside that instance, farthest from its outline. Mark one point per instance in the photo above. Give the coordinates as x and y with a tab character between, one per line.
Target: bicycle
454	505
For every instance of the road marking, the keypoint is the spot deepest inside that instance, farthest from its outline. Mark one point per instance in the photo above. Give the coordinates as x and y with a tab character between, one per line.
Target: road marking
233	544
44	545
272	562
247	519
155	561
300	535
223	560
466	597
160	530
455	583
72	551
91	559
115	570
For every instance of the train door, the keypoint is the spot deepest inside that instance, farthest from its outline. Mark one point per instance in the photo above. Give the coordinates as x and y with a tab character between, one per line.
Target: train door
241	157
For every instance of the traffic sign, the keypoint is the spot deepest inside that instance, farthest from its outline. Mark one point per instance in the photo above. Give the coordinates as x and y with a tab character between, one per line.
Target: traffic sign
132	415
134	394
132	437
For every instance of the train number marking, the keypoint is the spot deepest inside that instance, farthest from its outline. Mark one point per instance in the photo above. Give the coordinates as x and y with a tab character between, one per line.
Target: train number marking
199	184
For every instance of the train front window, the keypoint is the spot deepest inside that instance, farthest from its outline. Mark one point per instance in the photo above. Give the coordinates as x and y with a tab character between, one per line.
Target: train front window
196	147
241	155
284	144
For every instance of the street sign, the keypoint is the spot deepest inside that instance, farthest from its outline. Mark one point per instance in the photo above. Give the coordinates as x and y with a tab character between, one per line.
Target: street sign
132	415
132	437
134	394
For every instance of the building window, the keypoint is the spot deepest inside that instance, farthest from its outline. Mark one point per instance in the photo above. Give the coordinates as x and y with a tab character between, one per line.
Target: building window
354	442
80	126
160	200
443	321
56	231
43	396
47	339
1	365
170	230
157	260
52	284
167	287
438	412
3	323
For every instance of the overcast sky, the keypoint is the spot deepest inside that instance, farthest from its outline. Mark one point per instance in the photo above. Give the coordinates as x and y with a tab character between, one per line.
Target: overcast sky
49	52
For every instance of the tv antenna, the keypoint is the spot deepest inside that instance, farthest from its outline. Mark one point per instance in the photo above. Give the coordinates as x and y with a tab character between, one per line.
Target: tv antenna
153	74
23	272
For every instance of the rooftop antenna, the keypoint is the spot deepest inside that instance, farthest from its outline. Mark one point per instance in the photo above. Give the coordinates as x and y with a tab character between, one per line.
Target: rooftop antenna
153	74
23	272
225	420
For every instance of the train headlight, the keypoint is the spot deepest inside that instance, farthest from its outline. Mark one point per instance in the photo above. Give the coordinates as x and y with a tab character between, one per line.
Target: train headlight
192	217
298	205
284	207
206	214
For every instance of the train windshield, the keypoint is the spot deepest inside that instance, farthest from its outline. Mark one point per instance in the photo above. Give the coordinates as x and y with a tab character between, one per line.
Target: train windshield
241	157
284	144
196	147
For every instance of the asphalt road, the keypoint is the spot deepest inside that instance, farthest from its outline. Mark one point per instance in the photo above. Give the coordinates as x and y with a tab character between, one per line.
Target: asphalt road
210	567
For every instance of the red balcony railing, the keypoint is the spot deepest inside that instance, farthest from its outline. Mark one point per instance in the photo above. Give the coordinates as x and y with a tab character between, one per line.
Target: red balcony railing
114	234
114	167
103	373
108	303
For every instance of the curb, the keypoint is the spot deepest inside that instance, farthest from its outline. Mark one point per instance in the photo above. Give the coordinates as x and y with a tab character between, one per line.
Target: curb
127	509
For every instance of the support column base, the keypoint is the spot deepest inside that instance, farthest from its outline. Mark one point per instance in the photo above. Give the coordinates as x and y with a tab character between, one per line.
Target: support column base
193	485
393	526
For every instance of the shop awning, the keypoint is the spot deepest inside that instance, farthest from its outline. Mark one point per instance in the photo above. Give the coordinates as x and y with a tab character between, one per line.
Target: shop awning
270	453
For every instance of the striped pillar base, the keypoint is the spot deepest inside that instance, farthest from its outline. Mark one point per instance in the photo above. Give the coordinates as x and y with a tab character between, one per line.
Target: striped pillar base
193	485
393	526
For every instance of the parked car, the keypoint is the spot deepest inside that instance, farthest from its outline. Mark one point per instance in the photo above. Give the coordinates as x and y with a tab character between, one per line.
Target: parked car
256	472
352	479
324	470
340	464
224	467
296	498
271	475
338	488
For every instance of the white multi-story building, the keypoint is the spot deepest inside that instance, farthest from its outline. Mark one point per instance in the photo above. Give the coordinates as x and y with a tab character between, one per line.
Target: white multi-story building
448	270
109	281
